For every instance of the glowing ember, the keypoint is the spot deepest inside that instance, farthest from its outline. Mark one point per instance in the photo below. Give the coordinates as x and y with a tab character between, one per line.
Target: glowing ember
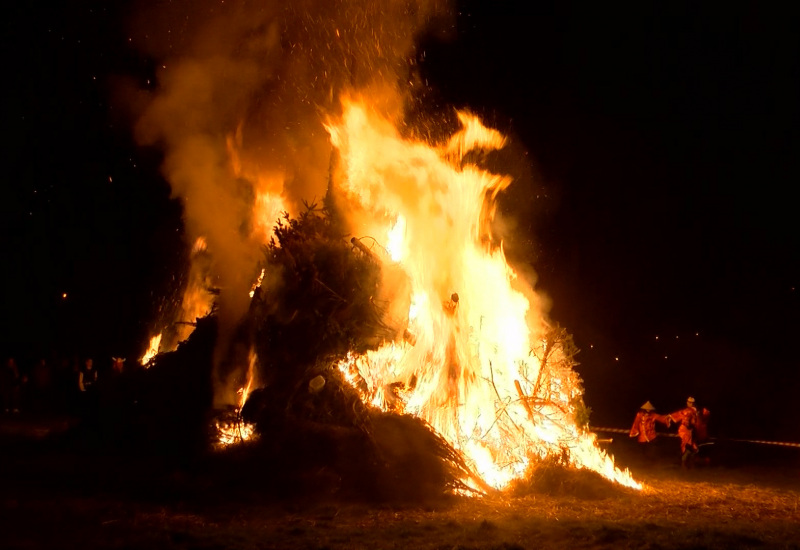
480	363
232	432
152	350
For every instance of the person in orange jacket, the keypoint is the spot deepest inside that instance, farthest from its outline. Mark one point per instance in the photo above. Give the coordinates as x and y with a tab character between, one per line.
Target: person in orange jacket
687	419
644	425
701	426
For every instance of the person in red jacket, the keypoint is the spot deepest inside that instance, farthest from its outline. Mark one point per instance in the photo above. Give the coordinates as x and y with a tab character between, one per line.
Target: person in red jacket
644	427
687	422
701	426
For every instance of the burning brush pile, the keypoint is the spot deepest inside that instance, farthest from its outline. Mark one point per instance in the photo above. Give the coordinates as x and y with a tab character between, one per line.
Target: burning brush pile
406	362
306	417
386	342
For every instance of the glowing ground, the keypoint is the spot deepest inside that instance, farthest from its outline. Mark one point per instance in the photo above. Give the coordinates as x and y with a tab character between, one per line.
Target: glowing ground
56	496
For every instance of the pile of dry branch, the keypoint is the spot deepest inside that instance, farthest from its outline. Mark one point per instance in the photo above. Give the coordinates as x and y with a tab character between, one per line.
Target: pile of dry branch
321	303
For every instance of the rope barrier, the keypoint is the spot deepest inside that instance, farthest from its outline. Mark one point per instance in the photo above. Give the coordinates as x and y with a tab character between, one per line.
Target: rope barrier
754	441
759	442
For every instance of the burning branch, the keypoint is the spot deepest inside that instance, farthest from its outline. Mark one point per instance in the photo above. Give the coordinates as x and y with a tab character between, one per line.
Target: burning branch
524	400
363	248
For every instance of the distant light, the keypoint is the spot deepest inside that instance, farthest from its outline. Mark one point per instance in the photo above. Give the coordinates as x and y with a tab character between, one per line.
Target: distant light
591	346
665	357
697	334
109	179
656	337
64	295
616	358
676	336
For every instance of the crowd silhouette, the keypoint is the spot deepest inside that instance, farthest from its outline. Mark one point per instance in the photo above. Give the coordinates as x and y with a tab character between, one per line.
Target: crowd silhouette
70	385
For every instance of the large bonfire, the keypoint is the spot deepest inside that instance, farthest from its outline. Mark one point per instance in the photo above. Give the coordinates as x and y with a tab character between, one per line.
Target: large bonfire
394	297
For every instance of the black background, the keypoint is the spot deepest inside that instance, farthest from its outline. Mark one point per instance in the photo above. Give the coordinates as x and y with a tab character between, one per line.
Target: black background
656	203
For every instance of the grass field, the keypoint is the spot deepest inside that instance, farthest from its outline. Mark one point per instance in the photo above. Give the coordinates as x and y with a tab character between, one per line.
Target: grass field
53	496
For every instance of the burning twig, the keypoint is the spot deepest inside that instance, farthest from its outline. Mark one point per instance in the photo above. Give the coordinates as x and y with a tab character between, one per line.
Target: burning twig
362	247
524	399
504	408
232	429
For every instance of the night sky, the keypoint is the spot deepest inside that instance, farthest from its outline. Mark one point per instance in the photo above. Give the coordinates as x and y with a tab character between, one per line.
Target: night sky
655	201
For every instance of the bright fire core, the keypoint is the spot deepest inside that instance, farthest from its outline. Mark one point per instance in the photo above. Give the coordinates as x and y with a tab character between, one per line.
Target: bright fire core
475	363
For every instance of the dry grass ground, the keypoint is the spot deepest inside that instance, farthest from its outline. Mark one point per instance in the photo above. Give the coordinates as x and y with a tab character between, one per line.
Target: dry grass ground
745	498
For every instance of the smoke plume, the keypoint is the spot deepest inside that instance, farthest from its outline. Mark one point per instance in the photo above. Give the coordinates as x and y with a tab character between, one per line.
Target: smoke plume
241	91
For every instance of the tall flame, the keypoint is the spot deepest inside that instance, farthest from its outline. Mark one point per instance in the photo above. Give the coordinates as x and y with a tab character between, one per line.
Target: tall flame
480	370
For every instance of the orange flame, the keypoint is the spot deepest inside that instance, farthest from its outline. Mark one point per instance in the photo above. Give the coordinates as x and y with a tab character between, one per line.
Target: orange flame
244	391
152	350
234	430
266	211
472	372
258	282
